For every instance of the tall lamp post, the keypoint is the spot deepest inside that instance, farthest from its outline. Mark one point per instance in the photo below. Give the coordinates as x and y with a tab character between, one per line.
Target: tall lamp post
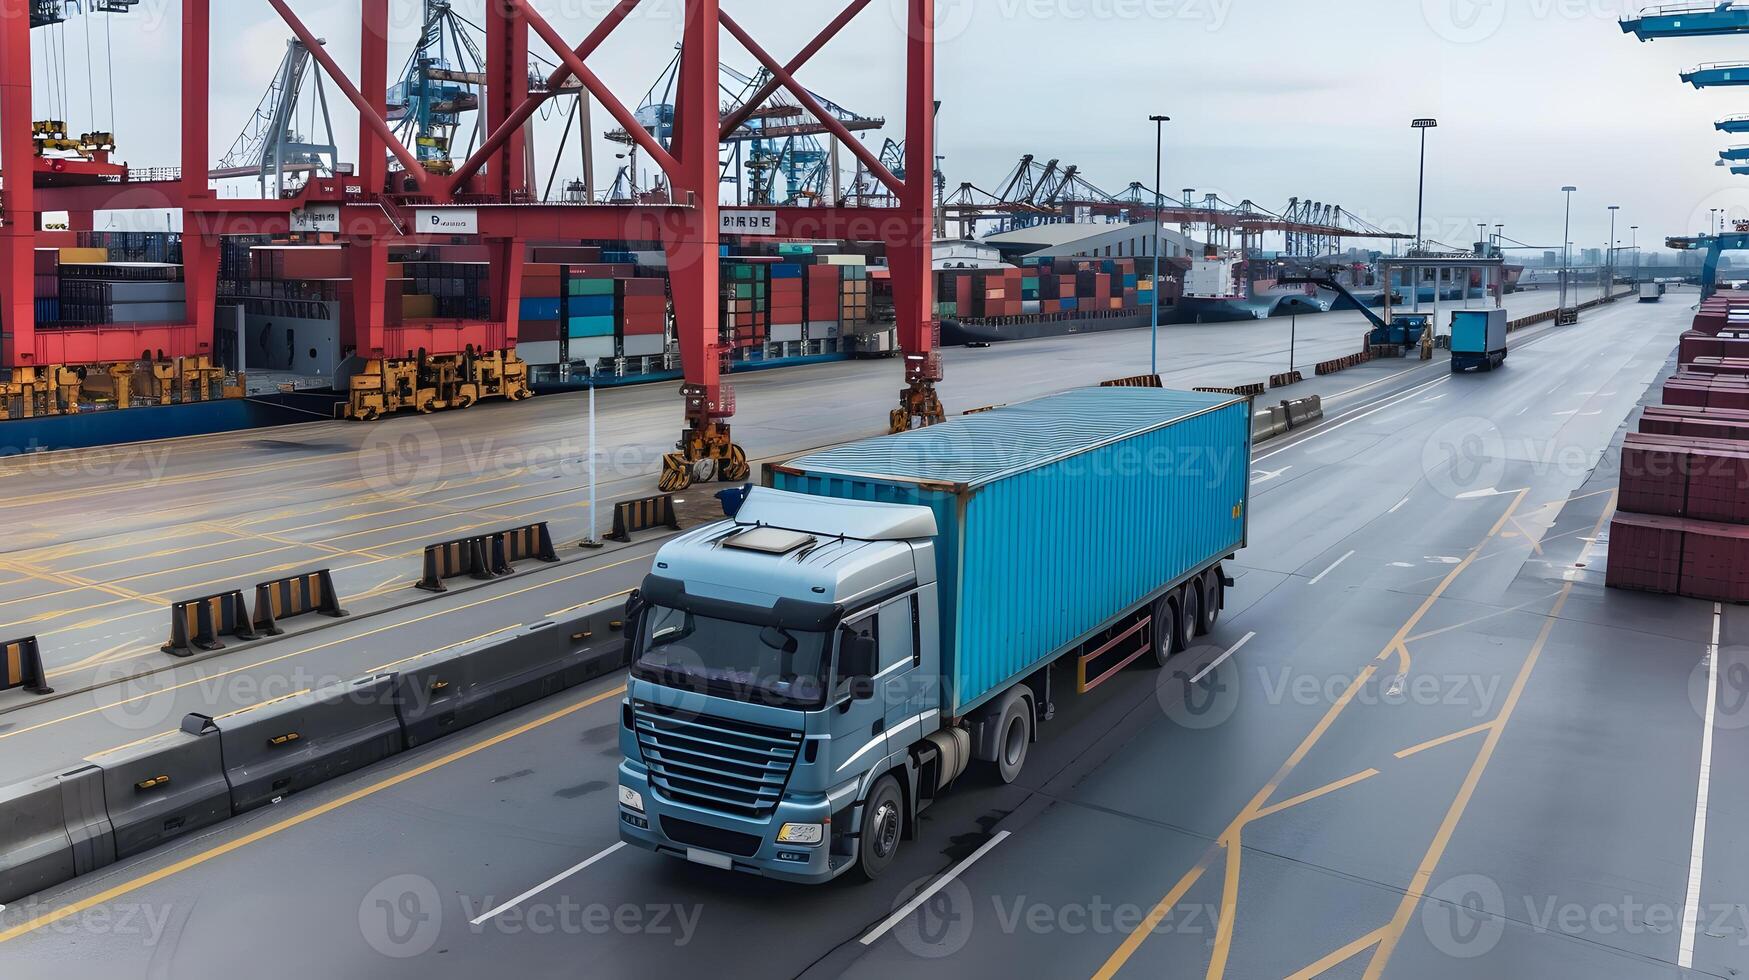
1421	203
1609	283
1567	244
1634	244
1154	326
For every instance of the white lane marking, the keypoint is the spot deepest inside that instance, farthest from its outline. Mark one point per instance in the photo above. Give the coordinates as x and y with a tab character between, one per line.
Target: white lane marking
1490	492
926	894
543	886
1697	849
1222	658
1332	568
1571	411
1264	476
1326	430
1435	397
1398	506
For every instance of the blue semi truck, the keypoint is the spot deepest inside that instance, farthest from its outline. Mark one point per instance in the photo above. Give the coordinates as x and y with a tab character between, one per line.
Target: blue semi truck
1478	339
813	673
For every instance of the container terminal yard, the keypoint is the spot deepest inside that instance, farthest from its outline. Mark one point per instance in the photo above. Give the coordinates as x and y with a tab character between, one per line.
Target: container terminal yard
427	558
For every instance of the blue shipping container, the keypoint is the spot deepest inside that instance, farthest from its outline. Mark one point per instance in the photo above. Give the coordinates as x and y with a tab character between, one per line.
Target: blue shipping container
590	326
591	306
1057	516
540	308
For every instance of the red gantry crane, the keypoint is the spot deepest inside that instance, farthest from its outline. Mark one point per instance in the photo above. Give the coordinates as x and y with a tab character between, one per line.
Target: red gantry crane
488	196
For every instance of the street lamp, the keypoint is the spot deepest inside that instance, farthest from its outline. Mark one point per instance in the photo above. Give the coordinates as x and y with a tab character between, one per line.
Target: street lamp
1634	243
1609	283
1421	195
1154	326
1567	244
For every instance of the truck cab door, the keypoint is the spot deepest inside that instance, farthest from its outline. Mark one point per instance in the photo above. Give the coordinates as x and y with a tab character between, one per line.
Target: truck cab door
859	717
897	683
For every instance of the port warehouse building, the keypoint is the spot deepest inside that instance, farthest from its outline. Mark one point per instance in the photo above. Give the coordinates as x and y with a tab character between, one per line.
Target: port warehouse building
1081	239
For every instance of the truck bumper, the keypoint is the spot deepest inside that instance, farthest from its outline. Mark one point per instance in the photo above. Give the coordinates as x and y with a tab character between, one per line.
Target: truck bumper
732	843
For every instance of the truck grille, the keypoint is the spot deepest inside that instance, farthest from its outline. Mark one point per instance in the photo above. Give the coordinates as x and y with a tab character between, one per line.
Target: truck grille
732	767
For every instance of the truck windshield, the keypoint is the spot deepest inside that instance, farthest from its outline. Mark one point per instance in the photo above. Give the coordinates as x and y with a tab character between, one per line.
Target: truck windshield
766	664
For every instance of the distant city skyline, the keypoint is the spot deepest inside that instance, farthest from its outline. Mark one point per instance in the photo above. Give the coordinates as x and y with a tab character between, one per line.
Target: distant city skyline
1530	97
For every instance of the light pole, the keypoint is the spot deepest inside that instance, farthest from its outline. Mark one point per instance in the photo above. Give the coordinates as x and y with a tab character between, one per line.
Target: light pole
1154	325
1567	244
594	538
1609	283
1634	243
1421	194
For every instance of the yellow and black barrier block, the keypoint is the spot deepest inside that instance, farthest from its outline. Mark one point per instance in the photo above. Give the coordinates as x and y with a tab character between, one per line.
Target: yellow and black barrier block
463	556
21	666
521	544
297	595
197	624
643	514
1139	381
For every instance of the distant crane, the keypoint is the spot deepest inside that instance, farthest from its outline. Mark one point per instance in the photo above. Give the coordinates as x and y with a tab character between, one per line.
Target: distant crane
271	146
776	153
438	84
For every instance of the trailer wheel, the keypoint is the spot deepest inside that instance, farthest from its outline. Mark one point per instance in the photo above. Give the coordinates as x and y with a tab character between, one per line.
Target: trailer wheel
883	824
1189	604
1212	592
1013	737
1165	630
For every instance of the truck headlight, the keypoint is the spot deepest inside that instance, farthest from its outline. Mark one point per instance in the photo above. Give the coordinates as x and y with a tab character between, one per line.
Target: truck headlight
800	833
631	799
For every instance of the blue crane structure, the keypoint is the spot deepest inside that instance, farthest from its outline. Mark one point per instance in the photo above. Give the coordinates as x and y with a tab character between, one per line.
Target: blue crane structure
1714	246
775	154
1687	20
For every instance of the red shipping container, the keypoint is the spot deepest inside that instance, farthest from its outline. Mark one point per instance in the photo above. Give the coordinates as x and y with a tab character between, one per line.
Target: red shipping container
1718	485
568	254
1654	479
531	331
1645	553
1715	561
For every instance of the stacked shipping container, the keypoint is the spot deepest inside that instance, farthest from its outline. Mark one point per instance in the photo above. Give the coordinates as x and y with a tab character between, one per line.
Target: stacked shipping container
1043	287
1683	521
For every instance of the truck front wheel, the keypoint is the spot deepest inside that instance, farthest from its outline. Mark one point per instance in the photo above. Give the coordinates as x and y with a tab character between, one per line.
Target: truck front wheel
883	824
1013	737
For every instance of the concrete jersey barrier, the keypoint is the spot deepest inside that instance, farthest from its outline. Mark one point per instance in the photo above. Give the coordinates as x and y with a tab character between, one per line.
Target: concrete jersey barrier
286	746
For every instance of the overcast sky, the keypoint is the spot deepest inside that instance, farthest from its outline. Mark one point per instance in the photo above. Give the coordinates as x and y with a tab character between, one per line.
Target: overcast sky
1271	99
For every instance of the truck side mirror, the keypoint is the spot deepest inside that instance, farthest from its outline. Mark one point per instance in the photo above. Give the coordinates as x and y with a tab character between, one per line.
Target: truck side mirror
634	623
856	663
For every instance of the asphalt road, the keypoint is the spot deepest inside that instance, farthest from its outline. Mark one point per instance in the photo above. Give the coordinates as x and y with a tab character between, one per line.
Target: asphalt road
1431	744
100	541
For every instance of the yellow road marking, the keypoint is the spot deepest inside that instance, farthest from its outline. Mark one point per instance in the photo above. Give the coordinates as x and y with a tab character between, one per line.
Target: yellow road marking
195	860
1434	743
441	649
1342	955
1393	931
1235	845
1134	940
1311	795
91	661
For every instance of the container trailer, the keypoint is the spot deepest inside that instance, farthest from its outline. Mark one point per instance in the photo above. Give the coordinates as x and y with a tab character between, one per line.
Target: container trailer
1478	339
812	673
1651	292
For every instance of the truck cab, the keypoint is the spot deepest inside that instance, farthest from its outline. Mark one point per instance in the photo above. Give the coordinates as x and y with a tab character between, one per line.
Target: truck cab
784	661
